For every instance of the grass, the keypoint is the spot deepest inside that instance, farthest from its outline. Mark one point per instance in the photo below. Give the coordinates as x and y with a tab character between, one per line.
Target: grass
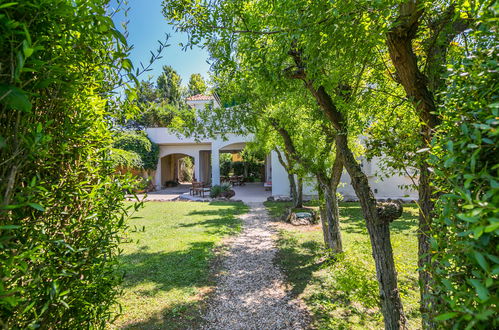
167	262
343	294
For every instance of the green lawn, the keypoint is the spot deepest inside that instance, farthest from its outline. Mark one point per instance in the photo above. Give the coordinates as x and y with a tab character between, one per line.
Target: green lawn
167	262
344	293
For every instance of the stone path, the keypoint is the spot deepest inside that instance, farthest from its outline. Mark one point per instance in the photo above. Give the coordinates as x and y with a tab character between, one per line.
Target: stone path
251	293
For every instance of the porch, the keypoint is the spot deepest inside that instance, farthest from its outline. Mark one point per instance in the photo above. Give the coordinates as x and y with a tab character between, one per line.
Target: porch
251	192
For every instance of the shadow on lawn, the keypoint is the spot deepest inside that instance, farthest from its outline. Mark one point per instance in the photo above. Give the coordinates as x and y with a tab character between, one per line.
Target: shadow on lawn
184	268
299	261
220	222
168	270
187	268
179	316
351	216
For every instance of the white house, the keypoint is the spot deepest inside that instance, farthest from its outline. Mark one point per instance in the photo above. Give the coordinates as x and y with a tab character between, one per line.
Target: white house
206	156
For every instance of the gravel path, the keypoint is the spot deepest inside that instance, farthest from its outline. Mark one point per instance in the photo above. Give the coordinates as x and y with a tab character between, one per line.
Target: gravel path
251	293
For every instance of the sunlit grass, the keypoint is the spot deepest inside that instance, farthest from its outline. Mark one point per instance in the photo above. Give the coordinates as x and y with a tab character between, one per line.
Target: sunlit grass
167	262
344	293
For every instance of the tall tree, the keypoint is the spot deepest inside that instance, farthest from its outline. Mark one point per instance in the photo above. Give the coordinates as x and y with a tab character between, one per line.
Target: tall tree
169	86
324	48
196	85
421	73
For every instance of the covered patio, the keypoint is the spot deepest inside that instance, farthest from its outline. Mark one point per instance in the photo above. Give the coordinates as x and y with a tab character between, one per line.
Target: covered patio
252	192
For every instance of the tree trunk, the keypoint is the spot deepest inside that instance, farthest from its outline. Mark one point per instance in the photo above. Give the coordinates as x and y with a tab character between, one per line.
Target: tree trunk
324	223
379	231
331	215
299	193
424	262
415	83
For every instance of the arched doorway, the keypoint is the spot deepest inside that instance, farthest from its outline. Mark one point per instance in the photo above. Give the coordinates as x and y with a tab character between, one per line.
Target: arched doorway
176	168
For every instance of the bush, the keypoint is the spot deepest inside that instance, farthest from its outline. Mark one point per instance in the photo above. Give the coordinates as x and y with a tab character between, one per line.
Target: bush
139	143
219	190
251	170
61	211
126	159
465	233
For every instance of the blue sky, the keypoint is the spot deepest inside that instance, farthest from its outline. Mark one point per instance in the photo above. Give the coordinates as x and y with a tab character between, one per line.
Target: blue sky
147	25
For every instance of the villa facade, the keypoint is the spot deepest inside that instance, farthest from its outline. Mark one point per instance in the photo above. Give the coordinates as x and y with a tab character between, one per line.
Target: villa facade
206	156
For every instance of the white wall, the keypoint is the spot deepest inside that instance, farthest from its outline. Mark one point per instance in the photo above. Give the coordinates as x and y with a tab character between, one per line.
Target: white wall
171	143
280	182
388	188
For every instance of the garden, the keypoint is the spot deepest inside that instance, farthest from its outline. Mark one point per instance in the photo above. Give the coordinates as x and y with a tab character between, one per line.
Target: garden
328	88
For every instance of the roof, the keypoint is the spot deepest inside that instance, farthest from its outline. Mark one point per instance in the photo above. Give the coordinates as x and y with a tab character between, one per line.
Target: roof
200	97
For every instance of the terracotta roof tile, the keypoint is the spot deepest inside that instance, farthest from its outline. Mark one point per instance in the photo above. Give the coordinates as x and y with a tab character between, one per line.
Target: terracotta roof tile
200	97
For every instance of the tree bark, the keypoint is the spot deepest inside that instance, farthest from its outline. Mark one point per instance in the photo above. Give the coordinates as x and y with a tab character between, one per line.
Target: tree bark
379	230
330	214
420	88
322	208
299	193
415	83
379	234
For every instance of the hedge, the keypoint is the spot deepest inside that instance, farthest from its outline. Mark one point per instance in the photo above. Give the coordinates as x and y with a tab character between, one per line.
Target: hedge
62	214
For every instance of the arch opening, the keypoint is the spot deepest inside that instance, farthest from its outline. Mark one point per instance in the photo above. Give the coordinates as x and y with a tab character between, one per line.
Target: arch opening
176	168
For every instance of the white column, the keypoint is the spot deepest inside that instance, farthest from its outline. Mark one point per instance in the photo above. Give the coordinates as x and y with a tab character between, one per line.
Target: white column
157	175
197	166
215	164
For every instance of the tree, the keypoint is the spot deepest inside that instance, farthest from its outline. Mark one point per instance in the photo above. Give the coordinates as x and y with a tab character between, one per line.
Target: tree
325	49
421	73
139	143
169	86
196	85
153	110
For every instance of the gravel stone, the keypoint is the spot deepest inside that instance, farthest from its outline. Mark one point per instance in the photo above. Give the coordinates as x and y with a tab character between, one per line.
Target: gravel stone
251	292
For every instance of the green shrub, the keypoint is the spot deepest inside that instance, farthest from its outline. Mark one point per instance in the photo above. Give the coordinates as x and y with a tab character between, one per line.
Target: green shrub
139	143
61	210
465	233
225	167
126	159
217	190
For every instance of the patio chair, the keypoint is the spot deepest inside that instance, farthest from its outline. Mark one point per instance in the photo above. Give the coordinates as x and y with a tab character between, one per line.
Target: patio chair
195	187
205	188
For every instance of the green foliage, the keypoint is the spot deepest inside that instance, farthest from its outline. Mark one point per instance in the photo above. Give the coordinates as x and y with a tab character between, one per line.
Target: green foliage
196	85
169	86
152	109
465	234
61	211
139	143
156	115
126	159
218	190
187	169
250	170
